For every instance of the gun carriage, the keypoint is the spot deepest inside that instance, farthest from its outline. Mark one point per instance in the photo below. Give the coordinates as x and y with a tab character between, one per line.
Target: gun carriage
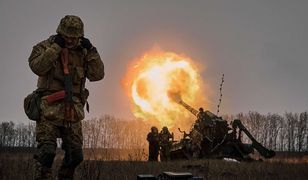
212	137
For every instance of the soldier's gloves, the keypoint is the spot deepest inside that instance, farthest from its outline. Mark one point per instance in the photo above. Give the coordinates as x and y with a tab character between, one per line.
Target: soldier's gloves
59	40
85	43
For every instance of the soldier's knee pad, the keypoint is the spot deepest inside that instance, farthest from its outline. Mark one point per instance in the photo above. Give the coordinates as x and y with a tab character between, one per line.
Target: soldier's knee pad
46	155
77	157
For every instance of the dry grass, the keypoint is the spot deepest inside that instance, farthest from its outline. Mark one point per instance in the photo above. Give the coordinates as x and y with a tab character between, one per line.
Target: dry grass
19	166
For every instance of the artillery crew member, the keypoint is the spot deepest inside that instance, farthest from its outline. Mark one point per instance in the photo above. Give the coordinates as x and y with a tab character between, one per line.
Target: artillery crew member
153	139
63	62
165	143
204	122
203	118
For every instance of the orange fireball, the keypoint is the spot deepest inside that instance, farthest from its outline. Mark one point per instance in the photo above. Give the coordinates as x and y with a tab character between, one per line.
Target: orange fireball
153	77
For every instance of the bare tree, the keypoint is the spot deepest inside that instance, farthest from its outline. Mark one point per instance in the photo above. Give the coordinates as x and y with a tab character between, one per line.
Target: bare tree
7	132
301	130
273	129
291	123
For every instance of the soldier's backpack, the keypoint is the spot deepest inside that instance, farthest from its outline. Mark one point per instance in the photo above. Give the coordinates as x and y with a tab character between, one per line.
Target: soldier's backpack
32	105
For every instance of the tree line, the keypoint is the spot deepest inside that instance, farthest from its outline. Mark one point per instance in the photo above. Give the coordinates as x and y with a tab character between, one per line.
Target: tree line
287	132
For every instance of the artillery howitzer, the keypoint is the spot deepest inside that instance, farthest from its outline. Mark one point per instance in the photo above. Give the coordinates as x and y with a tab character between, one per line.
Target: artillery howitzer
211	137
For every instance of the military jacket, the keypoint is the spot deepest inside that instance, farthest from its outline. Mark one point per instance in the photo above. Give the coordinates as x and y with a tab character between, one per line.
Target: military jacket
165	137
153	138
45	61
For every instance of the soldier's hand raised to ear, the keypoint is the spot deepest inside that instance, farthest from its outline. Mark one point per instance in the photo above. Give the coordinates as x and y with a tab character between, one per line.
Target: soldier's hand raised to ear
86	43
59	40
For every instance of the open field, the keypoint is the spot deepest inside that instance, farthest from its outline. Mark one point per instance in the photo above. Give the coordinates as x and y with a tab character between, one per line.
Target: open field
18	165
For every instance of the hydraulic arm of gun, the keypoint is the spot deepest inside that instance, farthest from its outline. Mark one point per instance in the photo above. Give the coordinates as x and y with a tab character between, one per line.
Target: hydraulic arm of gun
267	153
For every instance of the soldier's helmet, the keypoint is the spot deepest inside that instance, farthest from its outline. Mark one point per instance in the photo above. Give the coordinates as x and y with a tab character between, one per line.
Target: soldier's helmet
154	129
165	129
71	26
201	109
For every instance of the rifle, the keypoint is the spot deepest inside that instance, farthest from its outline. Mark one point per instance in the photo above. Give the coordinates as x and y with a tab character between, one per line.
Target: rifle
68	87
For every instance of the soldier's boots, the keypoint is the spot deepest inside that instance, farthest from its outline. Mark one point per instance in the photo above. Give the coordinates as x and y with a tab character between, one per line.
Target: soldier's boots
41	172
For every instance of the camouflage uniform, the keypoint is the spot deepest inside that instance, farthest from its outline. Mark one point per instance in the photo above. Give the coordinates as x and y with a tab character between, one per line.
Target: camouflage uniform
165	143
45	61
153	140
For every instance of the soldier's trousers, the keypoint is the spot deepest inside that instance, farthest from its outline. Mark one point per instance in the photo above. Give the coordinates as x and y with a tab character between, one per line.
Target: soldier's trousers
46	136
153	152
164	153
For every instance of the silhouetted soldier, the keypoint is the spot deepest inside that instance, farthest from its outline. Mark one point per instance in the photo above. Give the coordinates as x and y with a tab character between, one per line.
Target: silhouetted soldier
205	117
204	122
153	139
205	126
165	143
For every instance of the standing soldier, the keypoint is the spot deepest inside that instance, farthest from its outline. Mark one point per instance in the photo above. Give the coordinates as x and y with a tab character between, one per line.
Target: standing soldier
204	118
153	144
63	62
165	143
204	126
204	123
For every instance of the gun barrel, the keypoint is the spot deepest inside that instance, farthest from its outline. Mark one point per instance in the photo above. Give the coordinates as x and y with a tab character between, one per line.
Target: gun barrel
176	97
189	108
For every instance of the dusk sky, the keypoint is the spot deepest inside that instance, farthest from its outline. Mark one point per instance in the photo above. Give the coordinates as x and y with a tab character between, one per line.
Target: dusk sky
260	45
